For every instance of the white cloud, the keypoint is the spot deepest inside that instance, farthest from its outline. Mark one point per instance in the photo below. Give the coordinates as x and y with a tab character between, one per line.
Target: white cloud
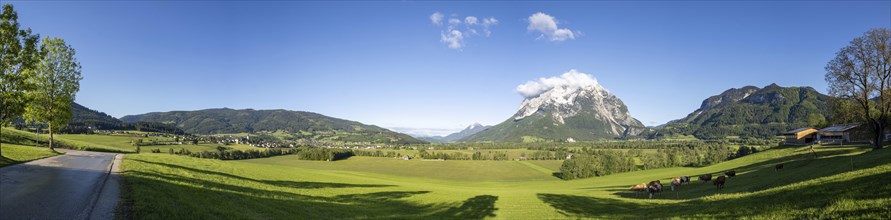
547	26
454	38
571	80
454	21
436	18
457	31
489	22
470	20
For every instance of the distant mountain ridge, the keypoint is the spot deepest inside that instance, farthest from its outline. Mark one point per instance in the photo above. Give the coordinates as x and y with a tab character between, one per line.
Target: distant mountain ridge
84	115
469	130
85	120
300	124
752	111
579	109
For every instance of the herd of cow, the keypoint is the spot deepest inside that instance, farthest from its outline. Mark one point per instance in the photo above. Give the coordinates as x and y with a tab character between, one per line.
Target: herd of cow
655	186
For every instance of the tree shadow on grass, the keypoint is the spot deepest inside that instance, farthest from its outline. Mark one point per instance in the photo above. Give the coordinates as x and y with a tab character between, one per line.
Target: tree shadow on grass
478	207
205	194
801	201
280	183
154	196
5	161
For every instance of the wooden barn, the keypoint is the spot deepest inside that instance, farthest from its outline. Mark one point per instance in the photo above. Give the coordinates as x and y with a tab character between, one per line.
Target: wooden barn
846	133
801	136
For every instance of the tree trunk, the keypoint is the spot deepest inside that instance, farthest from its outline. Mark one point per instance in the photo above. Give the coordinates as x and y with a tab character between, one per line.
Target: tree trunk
879	138
1	143
51	137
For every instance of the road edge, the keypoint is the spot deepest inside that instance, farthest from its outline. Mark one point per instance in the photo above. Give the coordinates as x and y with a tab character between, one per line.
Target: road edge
108	197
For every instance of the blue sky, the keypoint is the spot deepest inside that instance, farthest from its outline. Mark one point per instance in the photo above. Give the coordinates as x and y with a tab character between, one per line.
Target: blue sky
385	63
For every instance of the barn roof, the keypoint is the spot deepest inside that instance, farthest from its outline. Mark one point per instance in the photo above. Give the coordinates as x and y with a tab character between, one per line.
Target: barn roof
796	131
839	128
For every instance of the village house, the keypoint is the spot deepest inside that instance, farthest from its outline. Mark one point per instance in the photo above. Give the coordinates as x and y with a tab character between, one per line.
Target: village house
800	136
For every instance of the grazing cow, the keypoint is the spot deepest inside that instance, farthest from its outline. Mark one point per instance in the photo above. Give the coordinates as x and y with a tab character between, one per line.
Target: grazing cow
731	173
675	182
705	177
639	188
778	167
719	182
654	187
685	179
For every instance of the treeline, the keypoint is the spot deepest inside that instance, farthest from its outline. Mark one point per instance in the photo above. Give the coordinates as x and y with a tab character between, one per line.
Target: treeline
497	155
597	163
87	127
232	154
324	154
554	154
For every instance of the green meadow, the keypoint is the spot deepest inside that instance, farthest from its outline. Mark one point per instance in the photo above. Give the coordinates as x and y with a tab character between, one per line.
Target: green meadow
830	182
119	143
14	153
848	181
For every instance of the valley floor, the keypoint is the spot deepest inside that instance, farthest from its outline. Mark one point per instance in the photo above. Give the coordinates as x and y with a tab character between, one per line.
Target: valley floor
841	182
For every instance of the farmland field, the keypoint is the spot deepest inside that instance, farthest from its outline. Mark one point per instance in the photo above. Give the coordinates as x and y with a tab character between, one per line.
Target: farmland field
844	181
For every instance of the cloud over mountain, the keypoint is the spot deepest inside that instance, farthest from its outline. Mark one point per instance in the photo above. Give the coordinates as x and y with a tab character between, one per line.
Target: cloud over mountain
571	81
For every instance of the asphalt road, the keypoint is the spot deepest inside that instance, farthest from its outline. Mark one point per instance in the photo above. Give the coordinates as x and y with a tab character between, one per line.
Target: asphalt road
76	185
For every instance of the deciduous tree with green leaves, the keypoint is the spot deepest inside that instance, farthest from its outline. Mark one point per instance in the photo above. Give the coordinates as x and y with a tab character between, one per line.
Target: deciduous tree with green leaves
18	61
861	73
57	81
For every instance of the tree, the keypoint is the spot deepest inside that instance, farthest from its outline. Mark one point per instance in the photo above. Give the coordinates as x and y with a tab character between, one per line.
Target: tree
57	81
17	62
861	72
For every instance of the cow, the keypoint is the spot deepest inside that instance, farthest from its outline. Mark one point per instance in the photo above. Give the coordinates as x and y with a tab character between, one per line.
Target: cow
639	188
719	182
731	173
778	167
675	182
685	179
654	186
705	177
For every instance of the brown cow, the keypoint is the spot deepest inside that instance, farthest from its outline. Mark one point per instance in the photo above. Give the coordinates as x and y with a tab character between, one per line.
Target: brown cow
778	167
705	177
719	182
675	182
639	188
731	173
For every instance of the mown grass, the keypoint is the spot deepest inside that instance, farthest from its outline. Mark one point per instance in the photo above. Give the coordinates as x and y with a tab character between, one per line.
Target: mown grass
159	186
14	154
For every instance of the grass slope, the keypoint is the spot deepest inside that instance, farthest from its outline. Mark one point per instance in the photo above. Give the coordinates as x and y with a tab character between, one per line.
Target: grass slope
361	187
14	154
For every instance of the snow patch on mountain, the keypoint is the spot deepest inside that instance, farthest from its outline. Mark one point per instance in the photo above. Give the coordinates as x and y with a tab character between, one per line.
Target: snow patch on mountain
569	94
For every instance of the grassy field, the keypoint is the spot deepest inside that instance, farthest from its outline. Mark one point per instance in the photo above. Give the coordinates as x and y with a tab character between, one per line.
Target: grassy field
842	182
13	154
107	143
25	138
